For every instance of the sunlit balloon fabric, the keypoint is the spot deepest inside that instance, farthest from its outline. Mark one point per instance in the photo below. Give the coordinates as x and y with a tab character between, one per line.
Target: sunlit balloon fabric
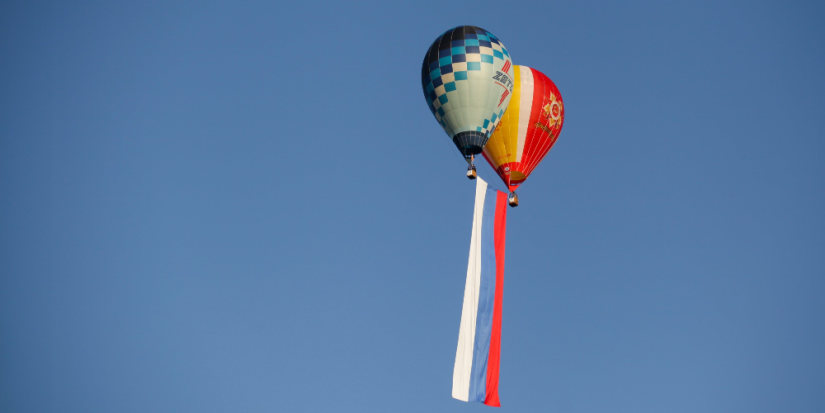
467	80
476	370
528	129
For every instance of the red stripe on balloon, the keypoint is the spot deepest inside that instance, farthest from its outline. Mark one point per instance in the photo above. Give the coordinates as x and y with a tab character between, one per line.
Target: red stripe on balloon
534	134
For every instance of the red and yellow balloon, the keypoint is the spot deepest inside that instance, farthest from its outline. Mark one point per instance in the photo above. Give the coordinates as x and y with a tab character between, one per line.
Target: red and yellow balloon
528	129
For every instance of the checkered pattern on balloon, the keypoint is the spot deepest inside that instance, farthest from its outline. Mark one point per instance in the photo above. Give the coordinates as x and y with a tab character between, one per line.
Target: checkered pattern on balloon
467	81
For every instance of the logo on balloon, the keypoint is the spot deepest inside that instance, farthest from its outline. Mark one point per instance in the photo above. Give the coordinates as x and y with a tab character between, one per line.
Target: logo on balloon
503	96
503	78
506	67
551	110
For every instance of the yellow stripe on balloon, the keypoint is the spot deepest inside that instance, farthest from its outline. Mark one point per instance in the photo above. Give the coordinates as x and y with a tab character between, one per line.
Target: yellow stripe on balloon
501	148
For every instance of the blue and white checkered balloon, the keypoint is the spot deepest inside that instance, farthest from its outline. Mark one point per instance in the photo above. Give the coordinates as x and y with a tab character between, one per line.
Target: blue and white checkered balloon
467	77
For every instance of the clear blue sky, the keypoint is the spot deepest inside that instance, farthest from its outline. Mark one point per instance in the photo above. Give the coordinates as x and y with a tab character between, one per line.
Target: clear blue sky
248	207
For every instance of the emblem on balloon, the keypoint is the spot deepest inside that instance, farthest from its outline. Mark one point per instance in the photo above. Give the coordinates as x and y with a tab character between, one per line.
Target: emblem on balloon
552	109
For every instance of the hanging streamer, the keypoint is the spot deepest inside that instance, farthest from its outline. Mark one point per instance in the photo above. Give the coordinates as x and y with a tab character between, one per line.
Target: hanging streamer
475	376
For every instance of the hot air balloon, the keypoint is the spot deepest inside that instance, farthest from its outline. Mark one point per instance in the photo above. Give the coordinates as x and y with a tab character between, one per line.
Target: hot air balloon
527	131
467	77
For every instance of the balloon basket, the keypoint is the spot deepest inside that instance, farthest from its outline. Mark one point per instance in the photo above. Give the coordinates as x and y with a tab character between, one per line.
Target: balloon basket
471	172
513	199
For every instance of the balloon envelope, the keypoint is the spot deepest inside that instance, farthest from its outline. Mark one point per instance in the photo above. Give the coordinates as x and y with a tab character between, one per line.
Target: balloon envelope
467	80
528	129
